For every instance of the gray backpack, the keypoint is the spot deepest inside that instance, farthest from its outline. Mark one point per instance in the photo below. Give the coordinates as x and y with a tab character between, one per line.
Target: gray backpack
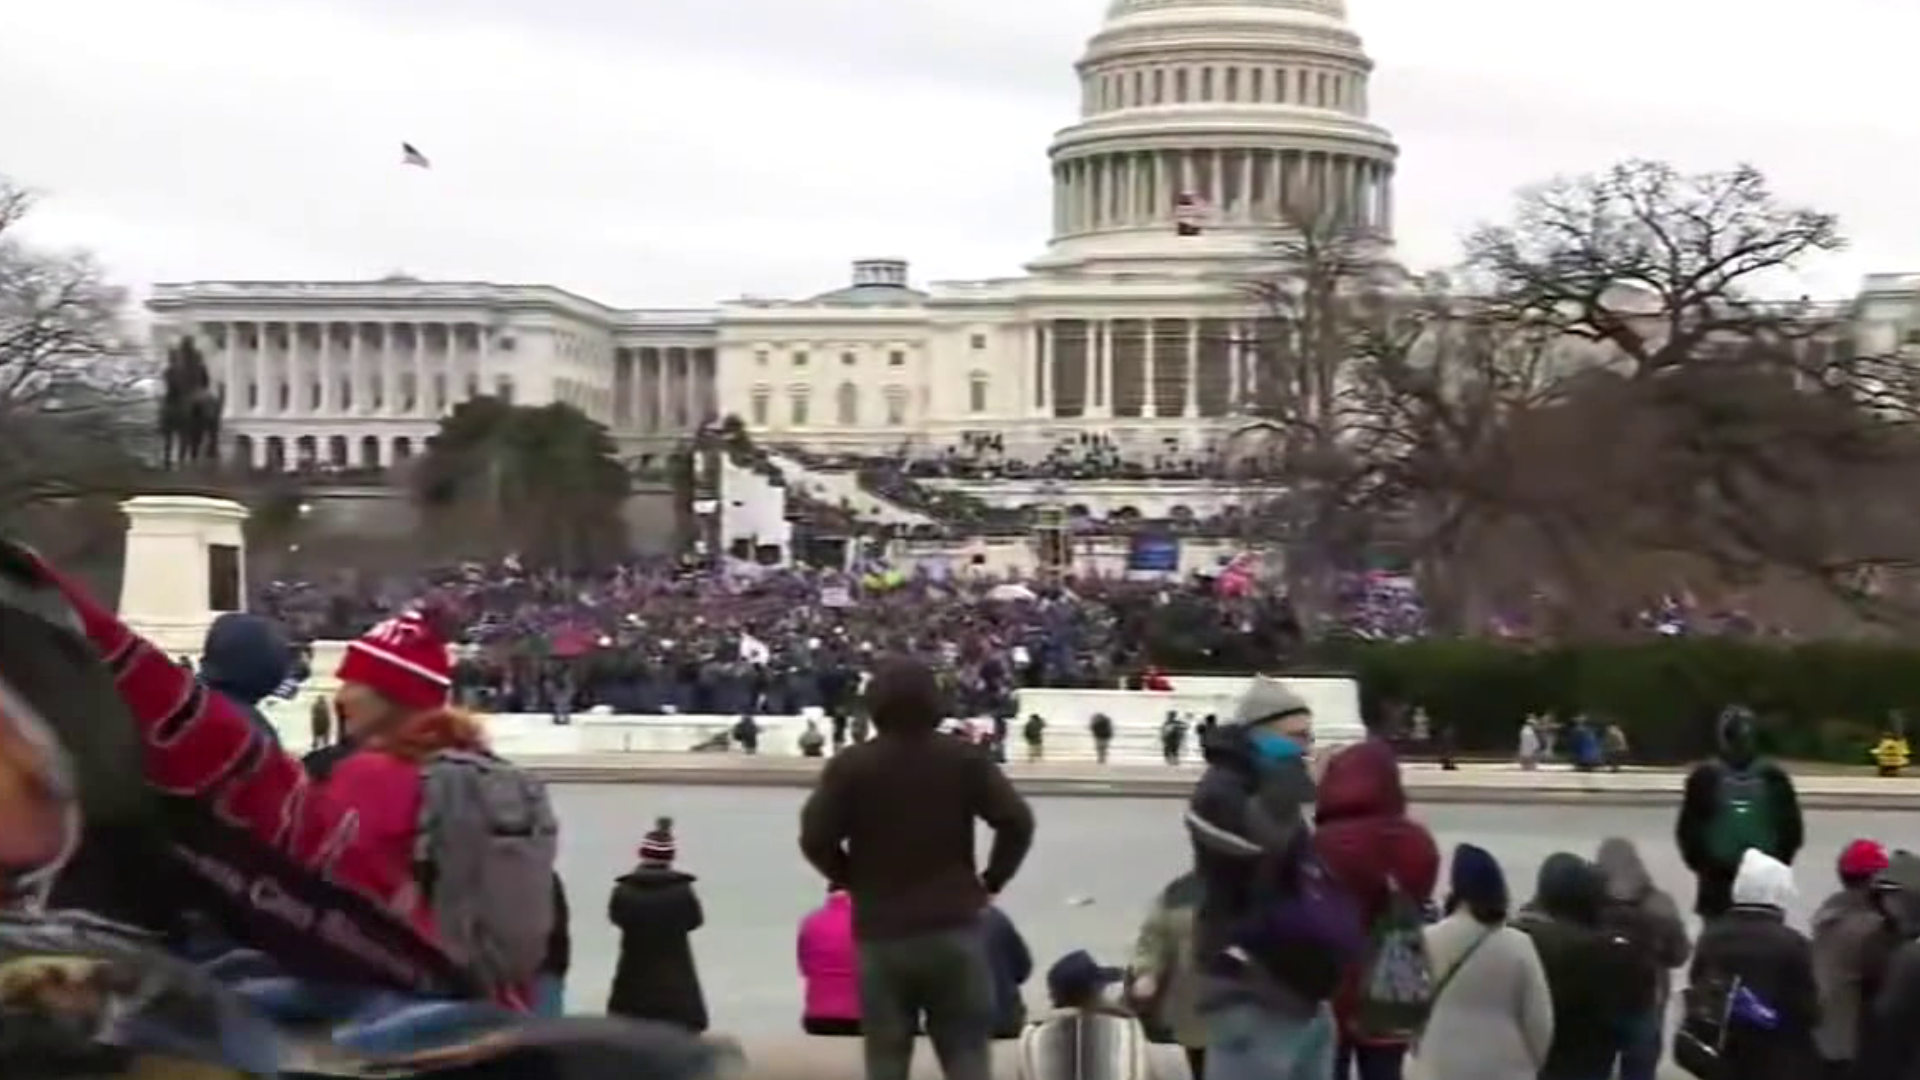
485	853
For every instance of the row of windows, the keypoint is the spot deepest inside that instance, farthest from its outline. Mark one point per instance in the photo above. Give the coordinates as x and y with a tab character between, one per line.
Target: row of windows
849	358
1135	87
846	401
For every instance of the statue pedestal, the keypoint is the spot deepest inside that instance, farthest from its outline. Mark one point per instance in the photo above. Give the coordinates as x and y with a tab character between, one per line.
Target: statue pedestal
186	563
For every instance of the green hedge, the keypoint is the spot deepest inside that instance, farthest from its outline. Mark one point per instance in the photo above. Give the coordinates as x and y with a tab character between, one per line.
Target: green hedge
1825	700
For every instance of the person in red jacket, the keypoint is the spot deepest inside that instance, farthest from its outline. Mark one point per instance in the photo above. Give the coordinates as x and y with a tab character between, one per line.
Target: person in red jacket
284	864
1363	835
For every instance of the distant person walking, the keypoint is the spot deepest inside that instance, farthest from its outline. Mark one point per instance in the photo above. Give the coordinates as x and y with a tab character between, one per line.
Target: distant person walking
1736	801
894	818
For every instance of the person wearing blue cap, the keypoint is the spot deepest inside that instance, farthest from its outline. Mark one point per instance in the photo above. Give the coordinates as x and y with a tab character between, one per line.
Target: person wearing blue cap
1088	1035
1492	1014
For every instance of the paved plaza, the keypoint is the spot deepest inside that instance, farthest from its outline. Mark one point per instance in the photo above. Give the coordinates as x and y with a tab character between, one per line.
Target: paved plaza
1094	866
1473	783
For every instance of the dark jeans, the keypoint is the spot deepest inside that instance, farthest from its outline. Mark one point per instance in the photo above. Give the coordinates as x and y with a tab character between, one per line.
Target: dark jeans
1196	1062
1363	1062
1640	1057
944	977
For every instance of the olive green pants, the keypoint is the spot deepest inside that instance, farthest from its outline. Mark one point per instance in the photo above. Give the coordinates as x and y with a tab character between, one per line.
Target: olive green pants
943	979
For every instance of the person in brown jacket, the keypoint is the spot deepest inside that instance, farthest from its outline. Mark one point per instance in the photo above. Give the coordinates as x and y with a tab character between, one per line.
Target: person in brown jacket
893	818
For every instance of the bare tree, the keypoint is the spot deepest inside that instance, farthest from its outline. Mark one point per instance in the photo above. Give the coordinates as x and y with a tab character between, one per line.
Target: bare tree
1723	426
1661	267
1315	301
73	394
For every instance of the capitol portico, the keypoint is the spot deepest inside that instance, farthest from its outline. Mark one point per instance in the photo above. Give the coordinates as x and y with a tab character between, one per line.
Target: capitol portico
1207	113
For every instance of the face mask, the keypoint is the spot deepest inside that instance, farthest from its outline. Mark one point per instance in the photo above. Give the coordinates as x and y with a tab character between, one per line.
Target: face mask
1271	747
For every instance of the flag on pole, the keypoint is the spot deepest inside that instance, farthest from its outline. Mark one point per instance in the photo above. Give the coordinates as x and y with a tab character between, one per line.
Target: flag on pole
411	156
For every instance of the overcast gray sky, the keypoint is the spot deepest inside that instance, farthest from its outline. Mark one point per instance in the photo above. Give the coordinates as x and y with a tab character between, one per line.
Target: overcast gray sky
662	152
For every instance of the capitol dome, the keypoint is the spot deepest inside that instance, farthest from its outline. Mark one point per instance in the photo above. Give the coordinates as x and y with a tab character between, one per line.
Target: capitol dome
1219	113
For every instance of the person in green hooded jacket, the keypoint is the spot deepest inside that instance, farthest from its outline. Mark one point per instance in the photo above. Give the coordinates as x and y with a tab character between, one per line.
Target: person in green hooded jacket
1162	976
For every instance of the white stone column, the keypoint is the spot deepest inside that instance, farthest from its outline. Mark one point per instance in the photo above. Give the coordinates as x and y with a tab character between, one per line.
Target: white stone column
1386	202
1083	195
1044	392
1186	172
391	362
420	372
323	365
230	367
1060	200
692	388
262	393
1148	407
1236	336
1102	400
665	390
1276	182
355	381
1193	368
1246	209
1162	207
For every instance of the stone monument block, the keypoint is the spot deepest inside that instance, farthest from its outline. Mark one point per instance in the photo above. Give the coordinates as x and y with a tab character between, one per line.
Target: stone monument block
186	564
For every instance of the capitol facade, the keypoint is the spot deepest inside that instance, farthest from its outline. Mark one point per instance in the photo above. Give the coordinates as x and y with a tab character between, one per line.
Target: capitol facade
1213	113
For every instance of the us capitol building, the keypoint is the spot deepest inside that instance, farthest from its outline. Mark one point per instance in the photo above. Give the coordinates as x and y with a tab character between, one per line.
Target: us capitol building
1220	108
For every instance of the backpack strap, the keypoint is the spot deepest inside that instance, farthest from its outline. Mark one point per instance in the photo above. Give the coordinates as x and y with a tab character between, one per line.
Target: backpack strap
1446	977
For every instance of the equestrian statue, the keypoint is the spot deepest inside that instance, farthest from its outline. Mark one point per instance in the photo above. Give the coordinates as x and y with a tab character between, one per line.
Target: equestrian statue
190	409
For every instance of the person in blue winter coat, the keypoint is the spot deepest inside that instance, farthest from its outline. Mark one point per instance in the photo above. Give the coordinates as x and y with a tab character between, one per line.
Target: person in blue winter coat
244	659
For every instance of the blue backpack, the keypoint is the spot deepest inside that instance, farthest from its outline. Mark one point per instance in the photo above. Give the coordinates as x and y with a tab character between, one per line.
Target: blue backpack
1304	929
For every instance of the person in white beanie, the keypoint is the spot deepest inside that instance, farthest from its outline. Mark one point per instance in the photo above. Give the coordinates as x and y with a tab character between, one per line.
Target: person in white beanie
1245	818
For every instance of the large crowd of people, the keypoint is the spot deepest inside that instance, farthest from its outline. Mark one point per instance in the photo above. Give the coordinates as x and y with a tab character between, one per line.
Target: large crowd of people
399	888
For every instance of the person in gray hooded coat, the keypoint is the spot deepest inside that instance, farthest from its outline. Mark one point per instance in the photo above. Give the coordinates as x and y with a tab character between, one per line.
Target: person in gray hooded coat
1646	916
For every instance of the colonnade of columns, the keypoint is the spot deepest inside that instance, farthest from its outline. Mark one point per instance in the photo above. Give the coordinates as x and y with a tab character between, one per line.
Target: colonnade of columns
1147	368
328	369
1252	186
666	388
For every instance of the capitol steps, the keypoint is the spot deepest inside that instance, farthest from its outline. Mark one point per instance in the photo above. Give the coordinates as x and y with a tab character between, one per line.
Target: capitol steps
842	487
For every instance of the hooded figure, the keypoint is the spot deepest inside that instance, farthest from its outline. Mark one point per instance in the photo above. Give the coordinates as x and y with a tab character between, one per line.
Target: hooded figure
1846	930
1595	979
1363	835
1770	1033
1492	1013
894	818
245	659
656	911
1244	820
1890	1038
1638	910
1737	801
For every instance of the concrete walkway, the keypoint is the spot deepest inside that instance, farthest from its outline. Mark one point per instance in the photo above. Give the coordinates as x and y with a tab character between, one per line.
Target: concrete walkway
1479	783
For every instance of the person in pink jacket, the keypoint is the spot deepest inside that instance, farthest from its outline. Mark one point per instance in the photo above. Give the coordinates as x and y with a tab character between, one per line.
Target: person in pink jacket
830	967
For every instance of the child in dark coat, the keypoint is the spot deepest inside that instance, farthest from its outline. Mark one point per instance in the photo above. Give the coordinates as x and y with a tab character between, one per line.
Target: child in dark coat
657	912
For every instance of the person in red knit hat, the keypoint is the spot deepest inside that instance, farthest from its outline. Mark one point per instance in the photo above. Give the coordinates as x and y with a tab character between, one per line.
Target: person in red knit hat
396	684
240	804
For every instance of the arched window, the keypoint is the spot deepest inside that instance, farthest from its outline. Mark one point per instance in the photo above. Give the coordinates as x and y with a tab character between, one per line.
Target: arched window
896	406
758	406
797	401
977	392
846	405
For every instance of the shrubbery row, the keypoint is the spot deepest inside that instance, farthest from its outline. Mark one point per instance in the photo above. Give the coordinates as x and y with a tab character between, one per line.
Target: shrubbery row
1824	700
